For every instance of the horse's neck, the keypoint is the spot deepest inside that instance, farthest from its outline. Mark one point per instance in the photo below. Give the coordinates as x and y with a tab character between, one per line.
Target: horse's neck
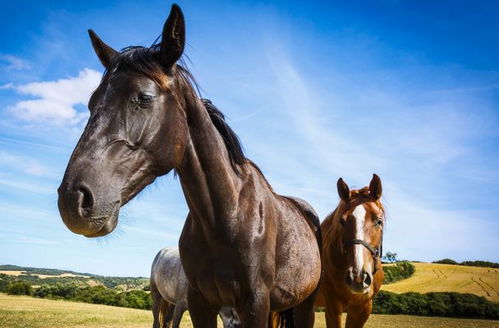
336	246
208	180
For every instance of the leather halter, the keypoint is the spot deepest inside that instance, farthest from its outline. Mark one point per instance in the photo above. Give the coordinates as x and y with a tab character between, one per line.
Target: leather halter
376	253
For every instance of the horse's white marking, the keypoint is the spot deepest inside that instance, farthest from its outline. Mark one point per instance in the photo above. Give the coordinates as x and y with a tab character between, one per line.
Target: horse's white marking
360	216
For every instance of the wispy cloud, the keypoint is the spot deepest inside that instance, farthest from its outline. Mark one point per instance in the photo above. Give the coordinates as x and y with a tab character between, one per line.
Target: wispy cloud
37	241
23	185
33	145
7	86
154	233
15	63
410	143
24	164
56	100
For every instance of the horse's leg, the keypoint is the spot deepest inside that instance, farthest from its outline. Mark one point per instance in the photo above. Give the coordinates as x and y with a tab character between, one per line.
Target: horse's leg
202	314
358	315
273	320
304	313
333	313
229	317
180	308
168	309
255	313
156	305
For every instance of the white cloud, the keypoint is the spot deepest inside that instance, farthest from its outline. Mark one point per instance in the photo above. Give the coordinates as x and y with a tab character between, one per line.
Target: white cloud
37	241
56	100
356	129
26	186
15	63
35	169
419	232
21	163
33	145
7	86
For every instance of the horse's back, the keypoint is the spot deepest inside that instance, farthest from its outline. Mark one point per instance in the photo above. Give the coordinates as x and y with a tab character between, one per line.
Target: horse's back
168	275
310	214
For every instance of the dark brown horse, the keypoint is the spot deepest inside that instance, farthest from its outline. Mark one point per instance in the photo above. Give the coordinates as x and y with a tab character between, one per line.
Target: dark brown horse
351	255
242	245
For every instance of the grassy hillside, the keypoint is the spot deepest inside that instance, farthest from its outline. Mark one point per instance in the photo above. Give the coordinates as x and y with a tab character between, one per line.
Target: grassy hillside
29	312
431	277
41	271
39	276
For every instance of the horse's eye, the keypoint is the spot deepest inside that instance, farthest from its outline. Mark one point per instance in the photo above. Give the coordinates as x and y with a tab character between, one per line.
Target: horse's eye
144	100
379	222
343	221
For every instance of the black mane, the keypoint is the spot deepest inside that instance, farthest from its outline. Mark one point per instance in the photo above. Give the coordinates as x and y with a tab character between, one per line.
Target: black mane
231	140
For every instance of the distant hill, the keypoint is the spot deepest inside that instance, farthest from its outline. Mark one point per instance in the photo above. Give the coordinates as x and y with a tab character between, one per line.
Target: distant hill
46	271
39	276
434	277
18	270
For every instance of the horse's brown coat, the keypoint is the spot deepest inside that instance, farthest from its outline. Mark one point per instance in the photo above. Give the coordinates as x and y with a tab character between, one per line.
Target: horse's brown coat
242	245
335	294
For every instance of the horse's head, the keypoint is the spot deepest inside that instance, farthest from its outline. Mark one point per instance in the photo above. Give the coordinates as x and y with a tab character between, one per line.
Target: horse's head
361	219
137	130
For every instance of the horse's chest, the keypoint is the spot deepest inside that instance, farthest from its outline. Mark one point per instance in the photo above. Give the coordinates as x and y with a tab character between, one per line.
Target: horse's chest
222	273
215	279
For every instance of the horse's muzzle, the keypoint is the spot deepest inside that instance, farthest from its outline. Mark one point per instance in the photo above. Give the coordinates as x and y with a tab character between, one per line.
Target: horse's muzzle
359	282
80	213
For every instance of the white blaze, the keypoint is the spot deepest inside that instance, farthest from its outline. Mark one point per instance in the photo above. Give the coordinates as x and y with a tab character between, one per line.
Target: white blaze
360	216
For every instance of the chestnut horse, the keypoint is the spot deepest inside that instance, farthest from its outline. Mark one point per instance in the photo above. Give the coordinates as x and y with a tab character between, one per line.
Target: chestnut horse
351	255
242	245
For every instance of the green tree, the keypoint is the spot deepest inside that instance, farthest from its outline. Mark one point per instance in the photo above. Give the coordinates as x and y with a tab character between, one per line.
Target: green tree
19	288
390	257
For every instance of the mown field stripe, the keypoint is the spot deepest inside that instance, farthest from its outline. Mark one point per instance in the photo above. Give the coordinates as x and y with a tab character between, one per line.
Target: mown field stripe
30	312
432	277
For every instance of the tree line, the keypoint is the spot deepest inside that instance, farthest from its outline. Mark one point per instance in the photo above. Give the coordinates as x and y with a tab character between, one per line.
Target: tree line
484	264
441	304
430	304
138	299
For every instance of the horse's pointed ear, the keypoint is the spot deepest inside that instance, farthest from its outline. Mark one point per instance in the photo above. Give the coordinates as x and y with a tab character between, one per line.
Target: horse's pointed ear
343	190
103	51
173	38
375	189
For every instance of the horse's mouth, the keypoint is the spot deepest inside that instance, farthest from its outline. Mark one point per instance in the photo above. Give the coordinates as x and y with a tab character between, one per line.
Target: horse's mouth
107	226
360	291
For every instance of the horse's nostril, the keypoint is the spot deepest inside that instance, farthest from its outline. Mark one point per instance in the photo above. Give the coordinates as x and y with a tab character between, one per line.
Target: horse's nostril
367	279
86	200
349	278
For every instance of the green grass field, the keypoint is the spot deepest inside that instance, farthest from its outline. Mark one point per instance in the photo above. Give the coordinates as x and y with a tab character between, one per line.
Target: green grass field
432	277
29	312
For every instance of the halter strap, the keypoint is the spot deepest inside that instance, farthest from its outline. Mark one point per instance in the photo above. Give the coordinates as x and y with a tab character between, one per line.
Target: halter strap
375	252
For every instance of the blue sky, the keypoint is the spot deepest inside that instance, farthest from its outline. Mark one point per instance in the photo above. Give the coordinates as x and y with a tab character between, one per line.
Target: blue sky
409	90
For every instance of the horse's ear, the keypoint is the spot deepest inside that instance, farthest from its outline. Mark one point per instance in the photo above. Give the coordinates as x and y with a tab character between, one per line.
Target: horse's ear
103	51
173	38
343	190
375	189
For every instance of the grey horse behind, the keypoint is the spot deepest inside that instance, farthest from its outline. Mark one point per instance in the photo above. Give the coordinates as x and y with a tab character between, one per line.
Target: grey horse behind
169	287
